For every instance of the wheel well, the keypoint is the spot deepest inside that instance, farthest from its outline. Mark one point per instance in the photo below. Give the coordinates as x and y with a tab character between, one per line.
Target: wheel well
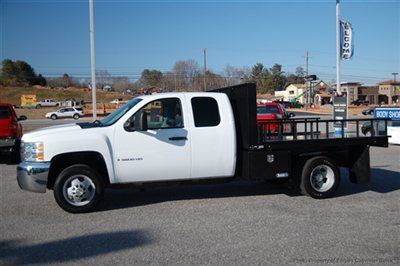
93	159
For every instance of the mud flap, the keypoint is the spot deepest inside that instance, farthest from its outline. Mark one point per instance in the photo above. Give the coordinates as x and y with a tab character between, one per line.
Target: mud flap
360	171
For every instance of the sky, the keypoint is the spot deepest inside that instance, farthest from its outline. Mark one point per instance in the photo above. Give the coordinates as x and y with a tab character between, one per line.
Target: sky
130	36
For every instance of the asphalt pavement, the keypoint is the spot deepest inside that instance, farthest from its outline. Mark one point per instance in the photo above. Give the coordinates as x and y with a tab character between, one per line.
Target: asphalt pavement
226	224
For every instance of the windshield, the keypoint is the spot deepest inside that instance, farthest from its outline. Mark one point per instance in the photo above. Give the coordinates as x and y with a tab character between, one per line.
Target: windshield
267	110
112	118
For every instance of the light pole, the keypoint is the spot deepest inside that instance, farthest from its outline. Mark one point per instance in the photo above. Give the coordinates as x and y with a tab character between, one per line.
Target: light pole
205	68
92	64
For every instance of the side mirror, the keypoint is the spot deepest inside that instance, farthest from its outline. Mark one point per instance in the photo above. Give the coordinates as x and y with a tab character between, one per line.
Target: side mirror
141	121
22	118
292	115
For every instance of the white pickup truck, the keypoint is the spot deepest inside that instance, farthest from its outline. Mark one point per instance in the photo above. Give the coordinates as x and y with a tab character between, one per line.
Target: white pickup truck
47	103
171	137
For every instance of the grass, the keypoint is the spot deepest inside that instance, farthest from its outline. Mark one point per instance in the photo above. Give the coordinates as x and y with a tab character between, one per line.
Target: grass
13	94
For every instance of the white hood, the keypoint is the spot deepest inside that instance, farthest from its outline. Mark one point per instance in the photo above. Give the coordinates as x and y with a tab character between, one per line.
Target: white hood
60	129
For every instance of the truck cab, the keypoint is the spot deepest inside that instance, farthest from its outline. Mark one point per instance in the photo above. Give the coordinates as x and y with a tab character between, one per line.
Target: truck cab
161	137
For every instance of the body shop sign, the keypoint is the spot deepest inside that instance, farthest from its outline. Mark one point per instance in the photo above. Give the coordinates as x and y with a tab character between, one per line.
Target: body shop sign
387	113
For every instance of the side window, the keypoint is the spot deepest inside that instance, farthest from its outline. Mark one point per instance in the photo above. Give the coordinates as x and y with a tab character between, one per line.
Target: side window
161	114
205	112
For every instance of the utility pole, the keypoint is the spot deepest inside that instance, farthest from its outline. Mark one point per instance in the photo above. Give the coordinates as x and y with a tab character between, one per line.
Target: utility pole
92	63
308	95
394	76
307	68
205	68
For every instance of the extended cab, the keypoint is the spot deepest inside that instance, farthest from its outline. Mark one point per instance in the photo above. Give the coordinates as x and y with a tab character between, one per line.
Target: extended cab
169	137
47	103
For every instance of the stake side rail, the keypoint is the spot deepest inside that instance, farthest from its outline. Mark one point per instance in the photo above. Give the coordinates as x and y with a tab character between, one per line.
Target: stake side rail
306	129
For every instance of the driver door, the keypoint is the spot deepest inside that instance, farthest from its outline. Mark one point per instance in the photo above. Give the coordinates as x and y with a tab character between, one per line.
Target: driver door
162	152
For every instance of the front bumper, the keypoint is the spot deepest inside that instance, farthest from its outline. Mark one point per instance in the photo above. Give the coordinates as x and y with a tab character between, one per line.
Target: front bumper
33	176
7	142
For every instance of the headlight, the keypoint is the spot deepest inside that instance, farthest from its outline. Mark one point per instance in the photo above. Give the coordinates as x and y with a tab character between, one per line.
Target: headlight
32	151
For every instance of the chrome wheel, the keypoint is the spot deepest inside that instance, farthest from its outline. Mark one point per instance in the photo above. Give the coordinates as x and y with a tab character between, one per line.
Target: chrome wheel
79	190
322	178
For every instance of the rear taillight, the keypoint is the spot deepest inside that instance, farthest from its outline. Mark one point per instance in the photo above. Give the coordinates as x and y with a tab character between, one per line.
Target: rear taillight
14	128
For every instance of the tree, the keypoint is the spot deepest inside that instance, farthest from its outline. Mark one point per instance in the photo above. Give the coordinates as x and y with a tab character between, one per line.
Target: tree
213	81
18	73
277	79
234	75
103	78
64	81
25	73
297	78
8	72
40	80
152	78
259	75
186	73
121	84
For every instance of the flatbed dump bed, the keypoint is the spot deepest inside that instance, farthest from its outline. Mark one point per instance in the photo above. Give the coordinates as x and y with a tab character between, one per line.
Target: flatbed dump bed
285	154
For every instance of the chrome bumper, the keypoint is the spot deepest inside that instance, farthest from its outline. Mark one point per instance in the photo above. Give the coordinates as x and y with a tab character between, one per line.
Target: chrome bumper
33	176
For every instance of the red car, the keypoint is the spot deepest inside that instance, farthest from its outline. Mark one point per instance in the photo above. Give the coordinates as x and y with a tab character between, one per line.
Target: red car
272	111
10	130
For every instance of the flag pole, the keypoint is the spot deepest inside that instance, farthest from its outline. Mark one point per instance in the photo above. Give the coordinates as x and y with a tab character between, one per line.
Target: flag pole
338	89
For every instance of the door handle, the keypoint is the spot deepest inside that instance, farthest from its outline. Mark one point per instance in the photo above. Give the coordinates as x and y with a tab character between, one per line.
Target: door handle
178	138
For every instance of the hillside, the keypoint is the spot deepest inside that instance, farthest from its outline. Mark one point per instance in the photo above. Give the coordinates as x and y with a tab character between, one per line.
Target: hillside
13	94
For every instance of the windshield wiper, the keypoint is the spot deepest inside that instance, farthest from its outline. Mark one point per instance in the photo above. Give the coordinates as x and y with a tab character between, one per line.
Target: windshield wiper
97	123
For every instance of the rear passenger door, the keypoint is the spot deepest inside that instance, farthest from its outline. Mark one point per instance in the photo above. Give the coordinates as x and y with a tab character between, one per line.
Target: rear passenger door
213	134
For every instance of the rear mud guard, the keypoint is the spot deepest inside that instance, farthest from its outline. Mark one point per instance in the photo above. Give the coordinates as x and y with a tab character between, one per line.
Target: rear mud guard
360	171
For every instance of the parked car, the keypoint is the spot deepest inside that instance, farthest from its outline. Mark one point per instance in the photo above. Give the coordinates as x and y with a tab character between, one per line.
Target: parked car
359	102
272	111
68	112
47	103
368	111
10	130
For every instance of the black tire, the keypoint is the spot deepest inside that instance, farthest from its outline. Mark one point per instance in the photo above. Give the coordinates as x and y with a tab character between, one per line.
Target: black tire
53	117
76	116
70	174
14	155
329	182
38	106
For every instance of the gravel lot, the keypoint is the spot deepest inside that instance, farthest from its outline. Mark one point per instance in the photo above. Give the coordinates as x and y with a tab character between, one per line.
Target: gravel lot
233	223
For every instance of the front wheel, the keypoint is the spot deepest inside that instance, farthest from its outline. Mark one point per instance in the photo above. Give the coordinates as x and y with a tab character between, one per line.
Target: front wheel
78	189
53	117
76	116
320	178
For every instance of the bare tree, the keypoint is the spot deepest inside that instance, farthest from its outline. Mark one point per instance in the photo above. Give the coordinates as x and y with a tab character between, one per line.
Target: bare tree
234	75
121	84
186	72
103	78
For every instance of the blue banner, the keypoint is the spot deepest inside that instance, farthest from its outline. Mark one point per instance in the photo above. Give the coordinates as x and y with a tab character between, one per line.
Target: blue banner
387	113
